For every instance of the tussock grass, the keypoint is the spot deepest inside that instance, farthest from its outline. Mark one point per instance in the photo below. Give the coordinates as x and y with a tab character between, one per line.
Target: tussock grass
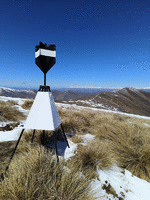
27	104
95	155
120	140
83	121
130	144
76	139
12	102
128	139
27	135
75	122
8	112
133	151
36	175
6	149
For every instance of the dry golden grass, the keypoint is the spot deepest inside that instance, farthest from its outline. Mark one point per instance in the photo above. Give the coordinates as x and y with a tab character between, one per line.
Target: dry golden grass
83	121
95	155
12	102
133	151
36	175
130	143
120	140
27	104
6	149
8	112
76	139
127	136
74	121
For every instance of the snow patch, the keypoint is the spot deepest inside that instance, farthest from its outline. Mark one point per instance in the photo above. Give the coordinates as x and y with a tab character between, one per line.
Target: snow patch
146	124
10	135
69	152
126	184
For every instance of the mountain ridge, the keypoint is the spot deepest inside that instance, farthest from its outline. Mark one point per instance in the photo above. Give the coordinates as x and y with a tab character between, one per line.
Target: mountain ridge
128	99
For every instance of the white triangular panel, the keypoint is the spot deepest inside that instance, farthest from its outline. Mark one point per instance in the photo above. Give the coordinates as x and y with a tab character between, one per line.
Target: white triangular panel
43	114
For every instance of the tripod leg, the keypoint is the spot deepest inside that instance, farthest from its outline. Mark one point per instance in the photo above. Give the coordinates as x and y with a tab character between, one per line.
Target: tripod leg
43	137
65	136
14	149
55	145
33	136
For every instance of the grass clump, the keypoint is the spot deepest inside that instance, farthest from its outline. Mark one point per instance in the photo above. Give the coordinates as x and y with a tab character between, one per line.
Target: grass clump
8	112
133	154
95	155
27	104
82	121
131	148
36	175
76	139
12	102
128	140
75	121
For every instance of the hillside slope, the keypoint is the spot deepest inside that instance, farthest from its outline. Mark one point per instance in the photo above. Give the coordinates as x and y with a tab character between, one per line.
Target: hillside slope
8	92
31	93
129	100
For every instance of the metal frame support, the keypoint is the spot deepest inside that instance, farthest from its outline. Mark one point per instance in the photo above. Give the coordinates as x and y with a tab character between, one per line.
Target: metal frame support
33	136
43	140
15	148
2	175
55	145
44	79
43	137
64	136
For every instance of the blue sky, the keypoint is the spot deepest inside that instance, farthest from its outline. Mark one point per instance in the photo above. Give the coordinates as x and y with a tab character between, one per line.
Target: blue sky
99	43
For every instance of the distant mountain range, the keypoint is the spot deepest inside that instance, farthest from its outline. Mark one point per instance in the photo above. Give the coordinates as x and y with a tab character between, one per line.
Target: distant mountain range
26	93
129	100
59	94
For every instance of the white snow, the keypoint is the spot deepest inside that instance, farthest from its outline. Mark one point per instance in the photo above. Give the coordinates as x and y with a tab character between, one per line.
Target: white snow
22	109
126	184
63	105
13	90
10	135
87	138
69	152
146	124
18	100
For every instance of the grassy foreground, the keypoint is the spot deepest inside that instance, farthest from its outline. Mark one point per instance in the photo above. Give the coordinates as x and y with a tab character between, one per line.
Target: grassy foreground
9	112
34	174
120	140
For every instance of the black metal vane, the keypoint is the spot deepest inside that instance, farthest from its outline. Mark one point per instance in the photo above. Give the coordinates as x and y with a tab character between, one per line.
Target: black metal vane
45	57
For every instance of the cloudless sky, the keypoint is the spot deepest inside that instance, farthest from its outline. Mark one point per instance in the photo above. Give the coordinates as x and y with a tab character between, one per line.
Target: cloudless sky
99	43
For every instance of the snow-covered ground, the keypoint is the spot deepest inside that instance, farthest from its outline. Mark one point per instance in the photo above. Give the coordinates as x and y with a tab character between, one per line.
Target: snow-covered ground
127	186
18	100
74	106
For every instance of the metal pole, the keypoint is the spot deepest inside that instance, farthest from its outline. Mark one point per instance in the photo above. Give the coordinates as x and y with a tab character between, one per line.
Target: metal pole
15	149
33	136
55	145
43	137
45	79
65	136
2	175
